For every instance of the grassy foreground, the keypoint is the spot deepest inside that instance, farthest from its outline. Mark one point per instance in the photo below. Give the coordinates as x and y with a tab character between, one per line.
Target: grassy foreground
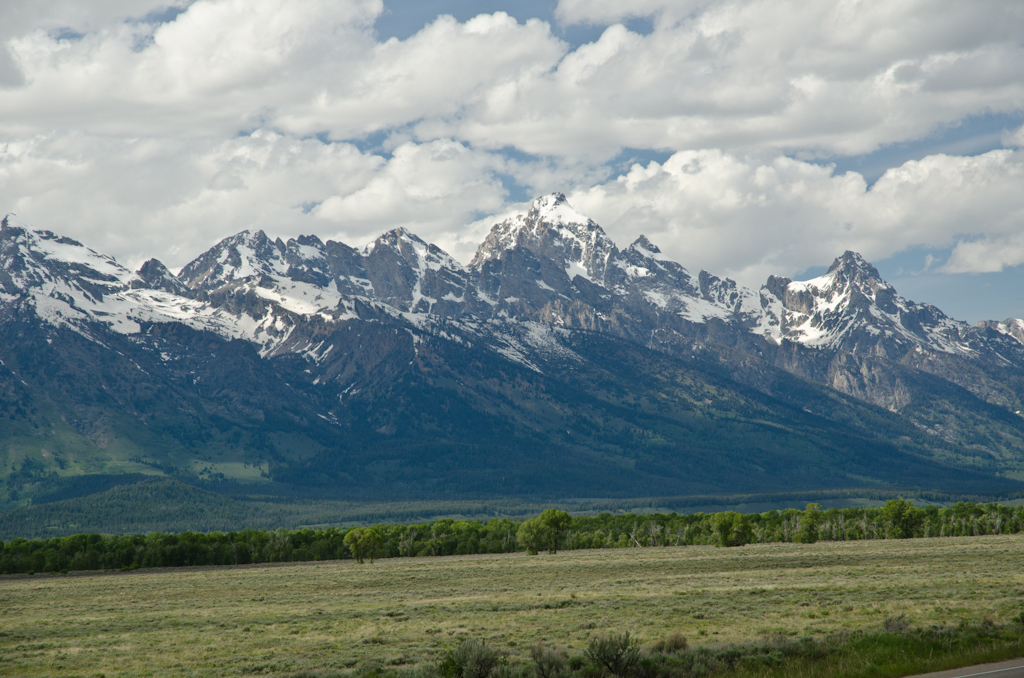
403	612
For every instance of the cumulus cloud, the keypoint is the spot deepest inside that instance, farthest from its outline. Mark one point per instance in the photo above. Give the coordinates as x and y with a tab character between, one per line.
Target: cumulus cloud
433	189
748	219
1013	138
154	127
816	78
172	200
435	76
825	79
988	254
218	67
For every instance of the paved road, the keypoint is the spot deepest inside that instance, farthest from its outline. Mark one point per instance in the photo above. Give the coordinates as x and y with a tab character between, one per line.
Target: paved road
1013	668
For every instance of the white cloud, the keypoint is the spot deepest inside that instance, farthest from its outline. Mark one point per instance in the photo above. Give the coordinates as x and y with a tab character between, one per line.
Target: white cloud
61	16
137	199
1013	138
815	78
137	135
989	254
604	12
430	79
749	219
219	67
432	189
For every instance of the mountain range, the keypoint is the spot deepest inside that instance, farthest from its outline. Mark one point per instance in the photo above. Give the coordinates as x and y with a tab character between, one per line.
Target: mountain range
553	365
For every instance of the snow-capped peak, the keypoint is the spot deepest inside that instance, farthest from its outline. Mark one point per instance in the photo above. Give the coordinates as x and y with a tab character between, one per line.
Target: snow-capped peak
851	308
154	275
853	263
34	258
850	282
553	229
11	220
646	246
419	253
1013	327
411	274
250	286
235	259
554	208
643	269
72	286
393	239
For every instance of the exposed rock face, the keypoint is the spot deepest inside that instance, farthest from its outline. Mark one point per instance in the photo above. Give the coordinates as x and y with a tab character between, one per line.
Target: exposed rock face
411	275
154	275
1013	327
347	324
552	229
34	259
551	266
851	308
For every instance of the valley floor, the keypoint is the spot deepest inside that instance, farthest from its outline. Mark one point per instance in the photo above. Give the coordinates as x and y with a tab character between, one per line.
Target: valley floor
399	612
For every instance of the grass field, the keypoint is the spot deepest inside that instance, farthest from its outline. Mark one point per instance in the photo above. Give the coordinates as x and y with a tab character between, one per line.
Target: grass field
399	612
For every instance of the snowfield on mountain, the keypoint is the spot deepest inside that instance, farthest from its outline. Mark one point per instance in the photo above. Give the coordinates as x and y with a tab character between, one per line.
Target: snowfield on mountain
554	363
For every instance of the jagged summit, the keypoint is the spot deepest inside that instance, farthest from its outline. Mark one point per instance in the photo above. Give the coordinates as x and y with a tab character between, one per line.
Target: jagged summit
554	208
1013	327
68	285
549	264
154	275
642	243
393	238
415	250
11	220
853	265
851	308
36	257
551	228
412	275
233	259
373	350
852	280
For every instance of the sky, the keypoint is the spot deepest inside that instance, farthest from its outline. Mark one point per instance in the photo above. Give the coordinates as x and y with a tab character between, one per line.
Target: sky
744	137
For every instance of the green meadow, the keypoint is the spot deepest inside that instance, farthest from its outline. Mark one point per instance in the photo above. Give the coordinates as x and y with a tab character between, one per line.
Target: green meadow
400	613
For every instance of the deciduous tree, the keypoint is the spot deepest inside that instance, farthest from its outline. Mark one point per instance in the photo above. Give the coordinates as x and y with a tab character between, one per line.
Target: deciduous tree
809	523
363	543
544	532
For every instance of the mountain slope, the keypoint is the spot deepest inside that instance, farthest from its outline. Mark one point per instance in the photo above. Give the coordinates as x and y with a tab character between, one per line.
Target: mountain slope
553	365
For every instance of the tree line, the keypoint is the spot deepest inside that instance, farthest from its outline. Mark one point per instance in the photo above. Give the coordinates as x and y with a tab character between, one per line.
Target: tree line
551	531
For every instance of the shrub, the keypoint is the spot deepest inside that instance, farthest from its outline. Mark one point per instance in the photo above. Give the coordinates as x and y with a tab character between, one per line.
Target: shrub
674	643
422	671
617	653
474	659
897	624
548	663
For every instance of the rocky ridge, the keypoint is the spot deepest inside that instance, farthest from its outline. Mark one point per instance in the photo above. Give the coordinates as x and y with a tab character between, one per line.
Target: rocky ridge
346	324
550	266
